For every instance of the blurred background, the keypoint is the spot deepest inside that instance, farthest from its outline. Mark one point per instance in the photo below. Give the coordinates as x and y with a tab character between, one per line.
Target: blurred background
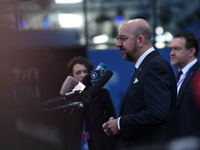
39	37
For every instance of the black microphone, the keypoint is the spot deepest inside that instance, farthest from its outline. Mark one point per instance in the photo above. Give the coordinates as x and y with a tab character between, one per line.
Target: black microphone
87	80
96	88
86	97
70	105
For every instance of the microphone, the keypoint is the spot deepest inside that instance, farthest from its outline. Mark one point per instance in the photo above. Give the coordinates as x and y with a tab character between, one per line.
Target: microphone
79	87
96	88
98	72
70	89
75	104
68	85
87	80
86	97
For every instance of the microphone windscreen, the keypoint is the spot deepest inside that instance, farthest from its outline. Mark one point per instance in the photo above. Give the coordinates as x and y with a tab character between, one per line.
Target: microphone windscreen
96	88
68	85
87	80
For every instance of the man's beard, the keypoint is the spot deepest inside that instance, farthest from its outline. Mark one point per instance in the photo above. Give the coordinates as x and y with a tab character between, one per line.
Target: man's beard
127	57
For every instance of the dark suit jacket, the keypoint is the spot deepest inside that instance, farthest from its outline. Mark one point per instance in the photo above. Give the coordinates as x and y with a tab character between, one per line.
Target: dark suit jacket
188	115
148	104
95	114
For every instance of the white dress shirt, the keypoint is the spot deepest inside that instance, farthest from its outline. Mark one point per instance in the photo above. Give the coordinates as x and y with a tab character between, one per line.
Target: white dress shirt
185	71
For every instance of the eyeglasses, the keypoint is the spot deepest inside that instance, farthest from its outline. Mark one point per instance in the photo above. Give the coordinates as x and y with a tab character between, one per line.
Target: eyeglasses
121	38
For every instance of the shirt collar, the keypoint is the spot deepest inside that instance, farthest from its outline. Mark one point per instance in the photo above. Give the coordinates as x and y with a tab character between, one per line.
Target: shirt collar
142	57
188	66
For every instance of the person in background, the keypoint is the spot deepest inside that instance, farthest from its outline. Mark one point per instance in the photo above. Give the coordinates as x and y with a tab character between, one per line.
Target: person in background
14	93
78	67
184	53
150	100
6	96
89	118
20	91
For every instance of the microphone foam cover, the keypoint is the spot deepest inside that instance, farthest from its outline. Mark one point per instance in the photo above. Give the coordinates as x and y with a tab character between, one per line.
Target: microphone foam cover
96	88
87	80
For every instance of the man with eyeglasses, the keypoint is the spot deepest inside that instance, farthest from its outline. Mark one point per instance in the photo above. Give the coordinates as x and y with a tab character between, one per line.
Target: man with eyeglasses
149	102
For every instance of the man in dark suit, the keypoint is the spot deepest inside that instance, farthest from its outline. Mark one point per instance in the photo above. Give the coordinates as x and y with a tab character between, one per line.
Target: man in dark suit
149	102
184	52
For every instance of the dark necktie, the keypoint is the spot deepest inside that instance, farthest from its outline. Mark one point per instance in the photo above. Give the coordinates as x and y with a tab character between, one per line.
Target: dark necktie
178	76
133	72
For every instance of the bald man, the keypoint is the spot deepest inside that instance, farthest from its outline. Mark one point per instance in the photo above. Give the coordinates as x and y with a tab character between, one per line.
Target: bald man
149	102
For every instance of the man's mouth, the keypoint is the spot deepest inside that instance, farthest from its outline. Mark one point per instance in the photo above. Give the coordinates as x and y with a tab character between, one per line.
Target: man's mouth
173	58
123	52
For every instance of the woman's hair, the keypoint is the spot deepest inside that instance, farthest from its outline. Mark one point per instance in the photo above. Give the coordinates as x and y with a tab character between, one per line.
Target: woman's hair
78	60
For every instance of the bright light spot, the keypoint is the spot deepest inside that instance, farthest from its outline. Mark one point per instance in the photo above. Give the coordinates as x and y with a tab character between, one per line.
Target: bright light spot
100	39
168	36
67	1
101	46
159	30
70	20
160	38
160	45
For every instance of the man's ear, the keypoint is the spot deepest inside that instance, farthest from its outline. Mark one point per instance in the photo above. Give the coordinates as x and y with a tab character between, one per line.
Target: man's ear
140	40
192	51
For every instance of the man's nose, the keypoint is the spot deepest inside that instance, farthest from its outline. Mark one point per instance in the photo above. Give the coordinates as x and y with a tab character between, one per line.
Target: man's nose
172	52
118	43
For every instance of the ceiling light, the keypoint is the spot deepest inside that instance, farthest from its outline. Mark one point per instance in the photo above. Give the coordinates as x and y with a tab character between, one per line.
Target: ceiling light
159	30
70	20
67	1
100	39
160	45
160	38
168	36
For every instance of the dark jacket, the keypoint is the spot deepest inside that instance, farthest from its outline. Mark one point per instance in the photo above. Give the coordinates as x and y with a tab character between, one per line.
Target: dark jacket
187	113
148	104
94	114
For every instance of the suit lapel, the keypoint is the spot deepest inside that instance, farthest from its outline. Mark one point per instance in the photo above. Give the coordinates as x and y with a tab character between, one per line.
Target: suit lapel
136	76
186	80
